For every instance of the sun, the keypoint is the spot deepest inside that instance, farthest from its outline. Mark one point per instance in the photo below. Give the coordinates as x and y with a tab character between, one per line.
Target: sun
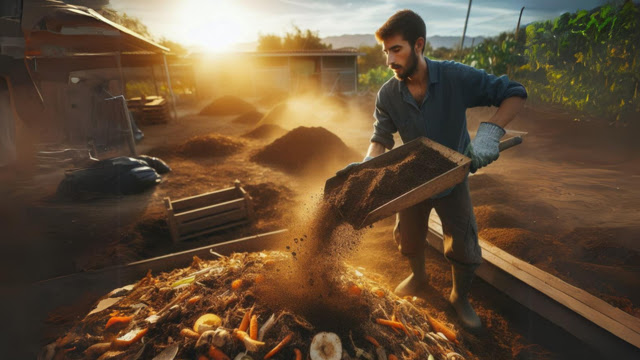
213	25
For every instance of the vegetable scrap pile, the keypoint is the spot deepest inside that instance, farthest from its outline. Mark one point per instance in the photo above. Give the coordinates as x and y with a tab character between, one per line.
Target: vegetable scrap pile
236	308
371	186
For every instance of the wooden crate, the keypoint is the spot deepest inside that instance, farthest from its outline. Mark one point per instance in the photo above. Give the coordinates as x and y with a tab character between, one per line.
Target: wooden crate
210	212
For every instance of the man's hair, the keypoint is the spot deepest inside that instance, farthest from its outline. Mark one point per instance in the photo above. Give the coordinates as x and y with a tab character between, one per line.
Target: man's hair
406	23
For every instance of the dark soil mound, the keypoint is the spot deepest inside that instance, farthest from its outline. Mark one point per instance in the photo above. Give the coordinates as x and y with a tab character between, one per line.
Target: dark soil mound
249	118
201	146
265	131
227	105
306	148
372	185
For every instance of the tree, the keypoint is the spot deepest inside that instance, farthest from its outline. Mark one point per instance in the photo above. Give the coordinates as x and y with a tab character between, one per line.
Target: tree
295	40
373	57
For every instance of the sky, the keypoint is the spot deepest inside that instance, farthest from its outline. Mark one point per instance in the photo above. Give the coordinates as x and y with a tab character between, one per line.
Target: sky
217	25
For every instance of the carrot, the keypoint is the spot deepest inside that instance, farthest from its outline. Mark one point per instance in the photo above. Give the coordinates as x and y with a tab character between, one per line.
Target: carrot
392	357
118	320
189	333
244	325
298	353
395	325
392	324
372	340
136	338
236	284
253	328
354	289
279	347
217	354
249	343
194	299
440	327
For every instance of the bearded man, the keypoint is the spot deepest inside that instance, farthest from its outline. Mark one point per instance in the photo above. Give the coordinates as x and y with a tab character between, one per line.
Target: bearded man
430	98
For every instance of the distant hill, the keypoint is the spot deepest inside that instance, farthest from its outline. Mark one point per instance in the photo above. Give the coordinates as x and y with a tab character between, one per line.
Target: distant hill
436	41
356	40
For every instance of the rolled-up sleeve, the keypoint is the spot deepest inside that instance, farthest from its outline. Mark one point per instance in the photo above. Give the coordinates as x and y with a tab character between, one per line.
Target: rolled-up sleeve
483	89
383	127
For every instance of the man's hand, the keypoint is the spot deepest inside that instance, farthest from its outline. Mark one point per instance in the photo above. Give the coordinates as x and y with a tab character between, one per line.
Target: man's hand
484	148
350	167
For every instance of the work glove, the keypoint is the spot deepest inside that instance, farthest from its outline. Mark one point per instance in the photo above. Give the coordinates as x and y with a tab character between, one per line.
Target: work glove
351	166
484	148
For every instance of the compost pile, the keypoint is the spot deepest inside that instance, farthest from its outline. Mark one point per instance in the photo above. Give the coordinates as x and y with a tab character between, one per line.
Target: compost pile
265	131
371	186
304	148
227	105
201	146
249	118
249	305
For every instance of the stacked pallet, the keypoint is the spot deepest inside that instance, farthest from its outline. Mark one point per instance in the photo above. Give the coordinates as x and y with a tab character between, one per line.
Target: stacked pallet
149	110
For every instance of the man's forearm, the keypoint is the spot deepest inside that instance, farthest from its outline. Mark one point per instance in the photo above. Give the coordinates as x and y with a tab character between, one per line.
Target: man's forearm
508	110
375	149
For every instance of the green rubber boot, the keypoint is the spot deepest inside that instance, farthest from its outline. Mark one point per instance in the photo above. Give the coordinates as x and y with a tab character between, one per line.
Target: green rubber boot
417	281
459	298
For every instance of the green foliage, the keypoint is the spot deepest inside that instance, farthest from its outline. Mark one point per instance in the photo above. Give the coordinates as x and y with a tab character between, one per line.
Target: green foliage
130	22
175	47
373	79
373	57
295	40
587	61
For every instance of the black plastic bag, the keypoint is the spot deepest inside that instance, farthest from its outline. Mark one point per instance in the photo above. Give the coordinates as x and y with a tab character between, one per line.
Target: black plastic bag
156	163
121	176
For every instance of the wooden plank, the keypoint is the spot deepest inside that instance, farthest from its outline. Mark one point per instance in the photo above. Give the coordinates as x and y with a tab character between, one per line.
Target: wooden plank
213	221
216	229
587	317
209	210
171	220
581	301
419	194
198	201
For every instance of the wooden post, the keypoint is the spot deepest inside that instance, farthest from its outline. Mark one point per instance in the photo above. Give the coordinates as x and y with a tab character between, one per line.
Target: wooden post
173	98
464	32
171	221
155	83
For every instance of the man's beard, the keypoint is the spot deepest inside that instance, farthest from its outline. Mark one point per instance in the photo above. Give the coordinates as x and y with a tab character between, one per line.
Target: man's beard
411	67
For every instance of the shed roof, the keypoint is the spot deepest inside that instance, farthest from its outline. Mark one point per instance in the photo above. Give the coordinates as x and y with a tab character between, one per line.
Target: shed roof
53	28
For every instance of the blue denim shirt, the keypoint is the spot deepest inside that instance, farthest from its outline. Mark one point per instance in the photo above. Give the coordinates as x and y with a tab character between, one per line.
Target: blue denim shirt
441	117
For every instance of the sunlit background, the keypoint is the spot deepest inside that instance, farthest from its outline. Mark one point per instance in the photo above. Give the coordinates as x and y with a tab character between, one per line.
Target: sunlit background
216	26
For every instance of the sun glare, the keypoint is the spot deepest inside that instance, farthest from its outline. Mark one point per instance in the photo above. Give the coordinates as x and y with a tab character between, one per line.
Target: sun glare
213	25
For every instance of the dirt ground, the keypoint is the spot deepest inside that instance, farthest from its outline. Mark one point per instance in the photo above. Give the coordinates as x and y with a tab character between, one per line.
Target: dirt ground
564	201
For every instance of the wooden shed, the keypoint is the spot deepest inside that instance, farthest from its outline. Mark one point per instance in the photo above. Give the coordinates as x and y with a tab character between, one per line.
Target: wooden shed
325	71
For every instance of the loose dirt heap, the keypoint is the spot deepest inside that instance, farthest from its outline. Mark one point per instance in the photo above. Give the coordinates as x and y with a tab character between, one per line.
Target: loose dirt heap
249	118
215	309
265	131
227	105
201	146
371	186
304	149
